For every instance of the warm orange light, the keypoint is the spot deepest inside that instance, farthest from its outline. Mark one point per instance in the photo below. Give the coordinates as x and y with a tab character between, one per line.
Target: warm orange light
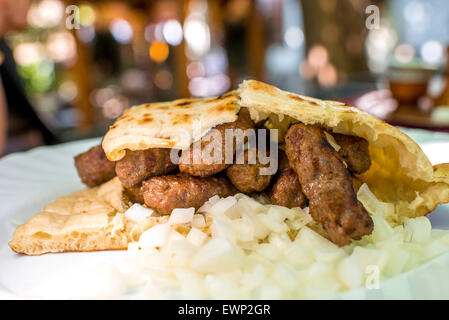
159	51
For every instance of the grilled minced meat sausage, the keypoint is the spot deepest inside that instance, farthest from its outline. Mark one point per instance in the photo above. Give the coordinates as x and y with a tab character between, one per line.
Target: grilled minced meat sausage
137	166
354	151
246	177
93	167
327	184
166	193
197	162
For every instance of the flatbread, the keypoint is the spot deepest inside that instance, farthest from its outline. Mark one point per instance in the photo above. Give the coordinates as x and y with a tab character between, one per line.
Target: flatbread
87	220
174	124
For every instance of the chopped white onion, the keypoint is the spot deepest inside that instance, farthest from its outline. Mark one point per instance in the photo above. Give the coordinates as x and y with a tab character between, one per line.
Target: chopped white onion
372	204
181	216
332	141
208	204
156	236
250	252
221	206
138	213
196	237
198	221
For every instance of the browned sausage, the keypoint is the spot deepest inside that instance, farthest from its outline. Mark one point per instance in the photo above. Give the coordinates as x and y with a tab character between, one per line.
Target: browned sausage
247	177
354	151
93	167
139	165
196	161
327	184
166	193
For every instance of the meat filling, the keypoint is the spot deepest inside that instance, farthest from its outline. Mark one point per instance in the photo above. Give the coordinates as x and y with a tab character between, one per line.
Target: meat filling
354	151
93	167
200	160
247	177
136	166
327	184
166	193
286	190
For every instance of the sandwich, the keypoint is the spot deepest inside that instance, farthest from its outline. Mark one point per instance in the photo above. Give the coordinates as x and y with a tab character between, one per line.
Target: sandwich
290	150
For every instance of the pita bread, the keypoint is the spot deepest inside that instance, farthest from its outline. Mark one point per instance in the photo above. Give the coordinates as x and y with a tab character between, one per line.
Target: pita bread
87	220
175	124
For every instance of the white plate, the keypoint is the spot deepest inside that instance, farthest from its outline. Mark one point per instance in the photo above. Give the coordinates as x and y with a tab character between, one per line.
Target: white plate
30	180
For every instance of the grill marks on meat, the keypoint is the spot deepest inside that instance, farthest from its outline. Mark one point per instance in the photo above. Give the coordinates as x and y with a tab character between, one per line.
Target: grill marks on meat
93	167
136	166
327	184
166	193
246	177
200	160
354	151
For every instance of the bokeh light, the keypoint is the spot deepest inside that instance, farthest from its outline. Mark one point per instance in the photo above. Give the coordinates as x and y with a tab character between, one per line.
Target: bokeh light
163	79
28	53
432	51
327	76
404	53
209	86
61	46
195	69
197	35
159	51
87	15
68	91
172	32
318	57
294	37
122	31
46	14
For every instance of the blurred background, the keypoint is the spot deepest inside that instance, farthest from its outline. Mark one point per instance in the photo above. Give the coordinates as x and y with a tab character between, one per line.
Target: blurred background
78	64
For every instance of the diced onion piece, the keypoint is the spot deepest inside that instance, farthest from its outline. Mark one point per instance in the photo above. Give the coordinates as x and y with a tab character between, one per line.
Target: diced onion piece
372	204
308	238
198	221
300	219
284	277
196	237
244	230
280	240
222	205
138	213
274	220
217	254
298	256
417	230
397	261
181	215
208	204
370	257
181	250
269	251
382	230
332	141
349	273
156	236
